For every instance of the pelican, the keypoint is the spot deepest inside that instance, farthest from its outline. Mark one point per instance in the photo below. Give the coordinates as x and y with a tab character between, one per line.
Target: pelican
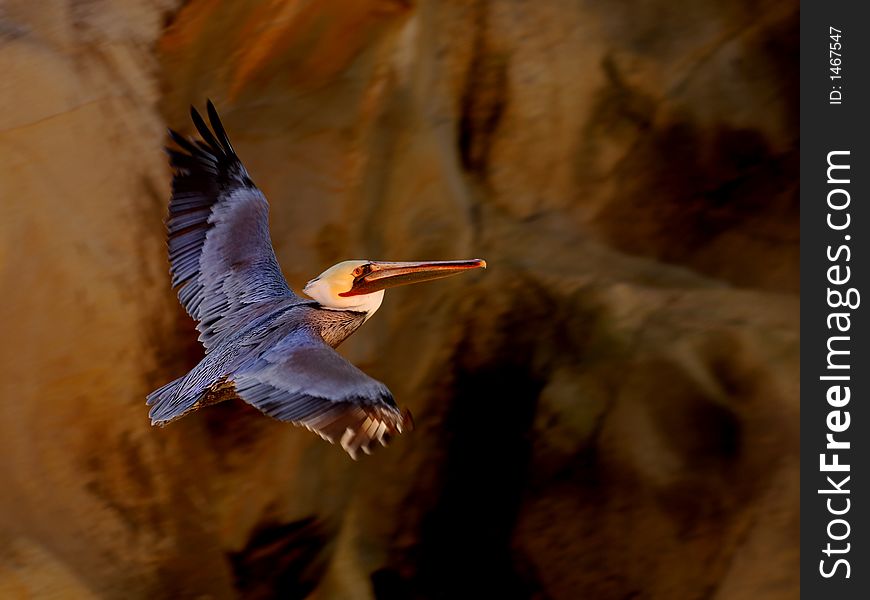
264	343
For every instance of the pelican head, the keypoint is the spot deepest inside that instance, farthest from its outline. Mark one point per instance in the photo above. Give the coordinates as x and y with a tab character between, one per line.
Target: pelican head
359	284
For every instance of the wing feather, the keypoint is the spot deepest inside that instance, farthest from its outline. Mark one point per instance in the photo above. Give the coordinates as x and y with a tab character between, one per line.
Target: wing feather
303	380
220	251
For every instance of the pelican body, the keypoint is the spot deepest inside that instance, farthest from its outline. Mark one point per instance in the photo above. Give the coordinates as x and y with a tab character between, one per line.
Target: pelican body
264	343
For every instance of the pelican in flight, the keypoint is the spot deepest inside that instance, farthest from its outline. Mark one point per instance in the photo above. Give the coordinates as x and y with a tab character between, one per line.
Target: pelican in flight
263	343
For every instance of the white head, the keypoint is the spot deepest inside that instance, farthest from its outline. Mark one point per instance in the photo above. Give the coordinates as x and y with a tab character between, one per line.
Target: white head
359	285
328	287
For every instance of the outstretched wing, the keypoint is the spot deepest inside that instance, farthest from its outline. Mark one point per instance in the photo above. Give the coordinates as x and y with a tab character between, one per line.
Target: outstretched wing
303	380
220	251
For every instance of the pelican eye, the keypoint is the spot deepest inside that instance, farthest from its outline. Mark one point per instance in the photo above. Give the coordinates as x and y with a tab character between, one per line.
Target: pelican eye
362	270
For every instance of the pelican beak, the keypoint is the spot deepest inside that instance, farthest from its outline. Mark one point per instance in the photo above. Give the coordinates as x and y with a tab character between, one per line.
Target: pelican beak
383	275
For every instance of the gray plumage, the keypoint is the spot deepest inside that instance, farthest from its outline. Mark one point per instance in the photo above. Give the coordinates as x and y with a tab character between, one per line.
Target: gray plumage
263	343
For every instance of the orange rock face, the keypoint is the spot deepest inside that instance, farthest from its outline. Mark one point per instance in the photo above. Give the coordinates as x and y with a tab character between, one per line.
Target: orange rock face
610	410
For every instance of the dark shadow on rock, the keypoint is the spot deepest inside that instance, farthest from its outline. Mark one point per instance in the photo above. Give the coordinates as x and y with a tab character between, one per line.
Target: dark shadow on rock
465	542
283	560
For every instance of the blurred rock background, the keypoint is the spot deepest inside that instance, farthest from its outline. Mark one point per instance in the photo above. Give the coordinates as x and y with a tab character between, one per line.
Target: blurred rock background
610	411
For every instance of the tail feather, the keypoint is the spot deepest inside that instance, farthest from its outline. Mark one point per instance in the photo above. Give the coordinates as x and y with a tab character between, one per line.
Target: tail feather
171	402
165	403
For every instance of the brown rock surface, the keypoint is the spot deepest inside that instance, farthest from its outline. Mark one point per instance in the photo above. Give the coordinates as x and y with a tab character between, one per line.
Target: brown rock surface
611	410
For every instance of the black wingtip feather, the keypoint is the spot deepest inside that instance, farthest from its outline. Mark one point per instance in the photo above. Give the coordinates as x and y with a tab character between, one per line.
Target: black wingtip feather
186	144
205	132
219	127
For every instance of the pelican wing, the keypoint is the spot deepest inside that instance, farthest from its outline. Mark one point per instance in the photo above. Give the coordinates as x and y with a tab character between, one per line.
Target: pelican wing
220	251
303	380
